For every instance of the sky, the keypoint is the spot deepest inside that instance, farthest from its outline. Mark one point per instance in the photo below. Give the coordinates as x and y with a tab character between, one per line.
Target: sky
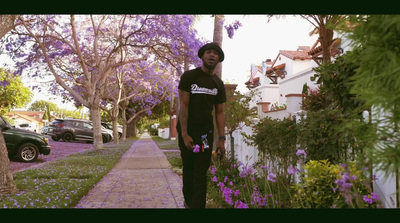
254	42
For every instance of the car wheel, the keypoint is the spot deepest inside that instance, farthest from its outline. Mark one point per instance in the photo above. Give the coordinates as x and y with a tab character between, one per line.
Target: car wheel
119	135
28	152
55	138
67	137
105	140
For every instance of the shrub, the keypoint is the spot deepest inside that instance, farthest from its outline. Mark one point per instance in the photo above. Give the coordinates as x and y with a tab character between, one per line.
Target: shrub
324	185
276	141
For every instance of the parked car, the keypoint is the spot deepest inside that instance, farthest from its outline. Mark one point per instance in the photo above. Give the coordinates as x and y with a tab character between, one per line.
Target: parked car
45	129
23	144
110	127
75	130
27	126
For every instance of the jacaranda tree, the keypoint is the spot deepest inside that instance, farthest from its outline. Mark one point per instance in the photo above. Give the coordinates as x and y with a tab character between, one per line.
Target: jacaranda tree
85	50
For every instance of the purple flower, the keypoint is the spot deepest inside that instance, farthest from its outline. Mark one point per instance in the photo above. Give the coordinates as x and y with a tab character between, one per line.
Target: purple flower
246	171
225	179
213	169
214	179
300	152
240	204
371	198
339	182
196	149
227	194
374	196
4	83
293	170
347	185
271	177
367	199
221	185
231	28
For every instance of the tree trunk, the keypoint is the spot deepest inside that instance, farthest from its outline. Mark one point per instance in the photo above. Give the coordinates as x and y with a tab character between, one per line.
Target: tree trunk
124	129
113	113
6	23
131	128
217	37
96	119
115	129
7	185
326	38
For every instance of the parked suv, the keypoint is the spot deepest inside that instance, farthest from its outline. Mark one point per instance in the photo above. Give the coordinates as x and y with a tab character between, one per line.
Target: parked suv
75	129
110	127
25	145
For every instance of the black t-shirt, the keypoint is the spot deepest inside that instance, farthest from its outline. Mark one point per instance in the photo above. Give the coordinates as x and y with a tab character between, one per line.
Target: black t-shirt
205	92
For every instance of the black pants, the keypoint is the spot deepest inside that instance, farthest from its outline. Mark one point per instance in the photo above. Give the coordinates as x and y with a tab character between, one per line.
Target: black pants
195	166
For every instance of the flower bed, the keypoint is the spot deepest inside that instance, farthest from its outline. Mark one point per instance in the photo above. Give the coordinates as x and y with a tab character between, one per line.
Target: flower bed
320	185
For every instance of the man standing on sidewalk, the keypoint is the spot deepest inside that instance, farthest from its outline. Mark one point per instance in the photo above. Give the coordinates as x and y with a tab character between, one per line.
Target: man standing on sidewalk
200	91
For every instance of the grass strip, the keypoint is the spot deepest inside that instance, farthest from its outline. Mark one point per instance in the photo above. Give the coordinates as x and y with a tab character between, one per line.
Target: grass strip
62	183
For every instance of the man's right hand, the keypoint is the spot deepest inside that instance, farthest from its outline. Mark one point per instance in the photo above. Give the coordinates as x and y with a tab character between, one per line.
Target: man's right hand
188	142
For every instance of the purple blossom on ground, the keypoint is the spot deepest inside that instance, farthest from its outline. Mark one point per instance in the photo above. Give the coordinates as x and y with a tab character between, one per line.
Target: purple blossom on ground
214	179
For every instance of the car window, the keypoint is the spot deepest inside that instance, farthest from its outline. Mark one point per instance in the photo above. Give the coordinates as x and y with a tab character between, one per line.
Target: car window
87	125
77	124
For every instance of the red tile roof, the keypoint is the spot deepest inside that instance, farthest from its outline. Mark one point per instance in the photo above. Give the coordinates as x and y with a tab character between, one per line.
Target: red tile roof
272	69
295	55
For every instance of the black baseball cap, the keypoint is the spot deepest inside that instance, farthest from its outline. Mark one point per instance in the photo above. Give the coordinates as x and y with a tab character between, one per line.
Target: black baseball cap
212	45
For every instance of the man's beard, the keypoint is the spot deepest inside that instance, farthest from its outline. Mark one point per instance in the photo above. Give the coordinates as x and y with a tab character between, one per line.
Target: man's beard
208	66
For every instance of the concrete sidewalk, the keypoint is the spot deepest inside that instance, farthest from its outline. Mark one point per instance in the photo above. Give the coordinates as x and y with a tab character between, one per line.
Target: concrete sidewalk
142	179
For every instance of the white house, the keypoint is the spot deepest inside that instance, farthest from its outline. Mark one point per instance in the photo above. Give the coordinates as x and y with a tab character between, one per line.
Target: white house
33	119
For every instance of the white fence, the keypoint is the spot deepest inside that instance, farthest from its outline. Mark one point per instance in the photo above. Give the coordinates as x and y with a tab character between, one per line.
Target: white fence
244	153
